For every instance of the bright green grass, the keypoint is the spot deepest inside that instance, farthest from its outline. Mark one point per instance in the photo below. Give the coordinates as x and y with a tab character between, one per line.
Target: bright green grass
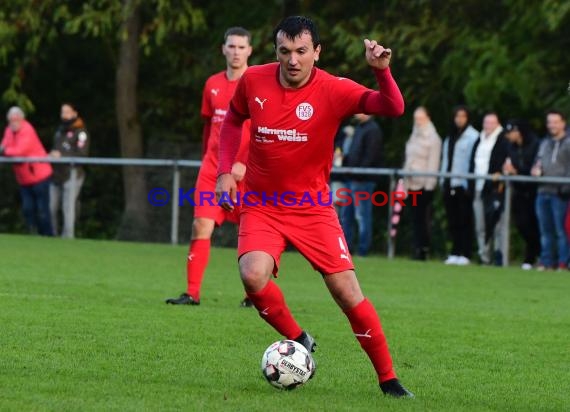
83	326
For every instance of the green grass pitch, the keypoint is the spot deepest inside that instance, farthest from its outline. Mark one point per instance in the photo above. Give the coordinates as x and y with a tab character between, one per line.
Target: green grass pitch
83	326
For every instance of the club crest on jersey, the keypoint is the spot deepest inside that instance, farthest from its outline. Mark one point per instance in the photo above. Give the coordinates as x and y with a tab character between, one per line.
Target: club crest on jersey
304	111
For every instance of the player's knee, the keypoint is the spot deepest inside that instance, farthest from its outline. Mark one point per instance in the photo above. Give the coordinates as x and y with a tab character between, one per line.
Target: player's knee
345	289
253	277
202	228
348	299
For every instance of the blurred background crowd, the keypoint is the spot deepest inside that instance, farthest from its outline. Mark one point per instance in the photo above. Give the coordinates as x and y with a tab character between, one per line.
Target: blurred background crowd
136	71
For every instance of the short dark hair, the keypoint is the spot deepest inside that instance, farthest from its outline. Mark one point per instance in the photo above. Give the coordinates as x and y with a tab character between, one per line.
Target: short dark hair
492	113
237	31
462	108
294	26
557	112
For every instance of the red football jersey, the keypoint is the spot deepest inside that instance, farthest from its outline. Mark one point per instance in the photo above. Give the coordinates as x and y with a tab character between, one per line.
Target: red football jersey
292	130
216	97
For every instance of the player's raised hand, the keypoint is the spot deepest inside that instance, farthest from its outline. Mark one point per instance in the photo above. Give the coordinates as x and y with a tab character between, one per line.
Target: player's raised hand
226	191
376	55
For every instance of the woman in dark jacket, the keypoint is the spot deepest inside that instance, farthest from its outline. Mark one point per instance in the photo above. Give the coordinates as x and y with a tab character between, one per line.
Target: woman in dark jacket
522	150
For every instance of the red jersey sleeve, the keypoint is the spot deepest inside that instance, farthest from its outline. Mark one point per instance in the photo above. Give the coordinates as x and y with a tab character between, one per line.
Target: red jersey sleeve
244	144
345	95
388	101
349	97
230	141
207	111
239	100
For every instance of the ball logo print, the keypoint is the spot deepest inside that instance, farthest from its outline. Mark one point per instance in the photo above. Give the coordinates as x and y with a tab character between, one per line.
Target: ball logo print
287	364
304	111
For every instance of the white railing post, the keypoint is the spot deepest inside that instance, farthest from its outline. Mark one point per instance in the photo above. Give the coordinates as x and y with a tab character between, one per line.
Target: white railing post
391	241
72	203
506	238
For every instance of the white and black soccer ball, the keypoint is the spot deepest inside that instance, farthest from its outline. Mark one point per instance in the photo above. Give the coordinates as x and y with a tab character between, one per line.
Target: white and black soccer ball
287	364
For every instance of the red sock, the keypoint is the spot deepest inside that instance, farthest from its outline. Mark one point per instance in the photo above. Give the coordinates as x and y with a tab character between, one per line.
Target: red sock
271	305
366	326
198	256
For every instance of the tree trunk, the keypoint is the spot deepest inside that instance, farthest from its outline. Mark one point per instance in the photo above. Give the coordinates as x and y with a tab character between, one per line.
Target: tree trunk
134	224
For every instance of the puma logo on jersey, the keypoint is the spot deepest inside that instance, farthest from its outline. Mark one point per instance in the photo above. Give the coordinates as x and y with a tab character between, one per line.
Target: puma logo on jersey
191	256
215	91
261	102
264	312
364	335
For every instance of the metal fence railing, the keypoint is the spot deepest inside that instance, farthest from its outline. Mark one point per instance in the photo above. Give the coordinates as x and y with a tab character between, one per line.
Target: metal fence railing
392	173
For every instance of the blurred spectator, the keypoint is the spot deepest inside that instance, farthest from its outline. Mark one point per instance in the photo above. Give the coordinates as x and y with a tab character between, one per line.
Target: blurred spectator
364	150
553	159
456	154
342	142
70	140
21	140
567	225
423	153
522	150
488	156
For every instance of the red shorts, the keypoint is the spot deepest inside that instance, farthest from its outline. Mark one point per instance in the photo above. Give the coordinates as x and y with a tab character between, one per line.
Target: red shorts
205	198
316	233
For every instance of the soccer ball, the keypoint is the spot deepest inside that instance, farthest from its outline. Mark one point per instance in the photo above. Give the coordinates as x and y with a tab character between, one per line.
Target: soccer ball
287	364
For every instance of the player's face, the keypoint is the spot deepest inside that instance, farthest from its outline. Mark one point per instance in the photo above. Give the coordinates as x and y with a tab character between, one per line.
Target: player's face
296	58
67	112
237	50
555	124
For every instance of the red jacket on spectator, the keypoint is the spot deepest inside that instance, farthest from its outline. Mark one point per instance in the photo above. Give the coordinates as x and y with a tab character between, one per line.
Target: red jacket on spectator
26	143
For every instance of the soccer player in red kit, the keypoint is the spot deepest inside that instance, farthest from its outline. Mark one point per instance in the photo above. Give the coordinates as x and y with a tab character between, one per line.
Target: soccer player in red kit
295	110
217	93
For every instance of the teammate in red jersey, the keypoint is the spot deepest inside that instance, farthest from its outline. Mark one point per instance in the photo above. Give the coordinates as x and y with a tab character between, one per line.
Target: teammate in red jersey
216	97
295	110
